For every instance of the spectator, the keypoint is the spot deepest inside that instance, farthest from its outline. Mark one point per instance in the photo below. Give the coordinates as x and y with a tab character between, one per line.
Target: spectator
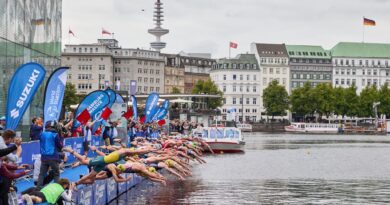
36	128
7	138
2	123
50	143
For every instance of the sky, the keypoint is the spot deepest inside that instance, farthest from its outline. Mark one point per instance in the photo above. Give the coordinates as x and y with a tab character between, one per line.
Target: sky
207	26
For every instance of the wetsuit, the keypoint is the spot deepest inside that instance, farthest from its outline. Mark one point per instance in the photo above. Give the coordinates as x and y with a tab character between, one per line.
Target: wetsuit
99	163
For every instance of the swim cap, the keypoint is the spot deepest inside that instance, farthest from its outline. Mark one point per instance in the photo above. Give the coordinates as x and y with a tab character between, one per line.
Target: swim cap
152	169
121	167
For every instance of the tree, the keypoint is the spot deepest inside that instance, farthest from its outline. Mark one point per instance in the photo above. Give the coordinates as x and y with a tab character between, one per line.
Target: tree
340	103
301	100
368	96
209	87
352	100
175	90
323	97
70	97
384	99
275	99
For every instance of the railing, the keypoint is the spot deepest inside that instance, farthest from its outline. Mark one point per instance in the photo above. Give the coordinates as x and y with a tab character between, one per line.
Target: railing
218	133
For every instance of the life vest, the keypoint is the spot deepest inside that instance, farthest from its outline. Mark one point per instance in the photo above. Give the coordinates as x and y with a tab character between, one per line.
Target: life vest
52	192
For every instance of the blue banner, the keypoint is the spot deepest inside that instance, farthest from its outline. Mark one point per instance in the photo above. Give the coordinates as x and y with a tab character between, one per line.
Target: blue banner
119	98
111	189
112	94
54	95
100	195
162	111
30	152
94	102
22	88
151	106
135	111
85	195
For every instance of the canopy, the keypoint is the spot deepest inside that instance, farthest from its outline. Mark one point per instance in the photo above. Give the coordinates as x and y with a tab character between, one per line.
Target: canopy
181	101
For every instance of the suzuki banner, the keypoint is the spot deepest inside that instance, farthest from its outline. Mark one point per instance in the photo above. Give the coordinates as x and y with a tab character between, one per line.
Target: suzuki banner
22	88
151	106
54	94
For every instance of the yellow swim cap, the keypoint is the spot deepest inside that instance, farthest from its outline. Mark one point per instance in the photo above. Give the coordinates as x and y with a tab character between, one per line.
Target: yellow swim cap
152	169
121	167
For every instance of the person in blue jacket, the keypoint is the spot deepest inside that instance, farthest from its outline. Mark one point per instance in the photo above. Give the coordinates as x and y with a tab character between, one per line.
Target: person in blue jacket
51	144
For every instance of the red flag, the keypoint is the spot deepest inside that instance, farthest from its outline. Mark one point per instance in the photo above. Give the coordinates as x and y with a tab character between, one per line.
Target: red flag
128	114
142	120
71	32
161	122
104	31
83	117
368	22
106	113
233	45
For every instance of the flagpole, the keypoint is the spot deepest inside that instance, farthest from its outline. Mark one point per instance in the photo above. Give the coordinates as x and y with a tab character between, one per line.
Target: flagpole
229	50
363	30
69	36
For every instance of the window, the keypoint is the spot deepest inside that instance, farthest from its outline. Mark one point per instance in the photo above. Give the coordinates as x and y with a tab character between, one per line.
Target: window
224	77
336	81
254	101
234	88
342	81
157	72
234	77
254	88
294	84
247	77
254	110
348	81
157	81
151	80
271	70
247	88
368	72
241	78
240	88
284	81
353	81
151	71
234	101
264	81
224	88
145	70
277	70
294	76
139	70
363	82
284	70
146	89
139	88
139	79
151	89
364	72
157	89
145	80
247	101
264	70
353	72
254	77
241	101
375	72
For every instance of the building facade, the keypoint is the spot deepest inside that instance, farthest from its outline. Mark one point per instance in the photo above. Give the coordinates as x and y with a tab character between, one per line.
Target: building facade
239	79
196	67
273	61
173	73
362	64
105	64
308	64
30	31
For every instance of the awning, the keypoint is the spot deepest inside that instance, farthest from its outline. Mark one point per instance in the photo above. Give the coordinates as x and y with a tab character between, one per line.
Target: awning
181	101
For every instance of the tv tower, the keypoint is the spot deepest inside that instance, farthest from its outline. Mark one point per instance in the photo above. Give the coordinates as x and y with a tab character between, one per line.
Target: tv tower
158	31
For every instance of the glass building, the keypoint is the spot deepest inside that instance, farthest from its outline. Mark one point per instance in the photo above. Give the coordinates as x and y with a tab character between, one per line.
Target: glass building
30	31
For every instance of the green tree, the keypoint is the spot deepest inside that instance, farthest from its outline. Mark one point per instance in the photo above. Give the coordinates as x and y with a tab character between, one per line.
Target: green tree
352	100
322	96
340	103
384	99
209	87
175	90
70	97
368	96
275	99
301	100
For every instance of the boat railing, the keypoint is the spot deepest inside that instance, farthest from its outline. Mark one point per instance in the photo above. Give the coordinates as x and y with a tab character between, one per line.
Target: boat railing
218	133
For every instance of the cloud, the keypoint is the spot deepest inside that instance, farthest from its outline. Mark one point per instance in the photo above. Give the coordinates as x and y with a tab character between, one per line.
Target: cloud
209	25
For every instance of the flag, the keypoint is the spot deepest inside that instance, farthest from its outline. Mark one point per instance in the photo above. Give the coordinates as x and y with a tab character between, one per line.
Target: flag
22	88
135	109
161	122
71	32
368	22
83	117
104	31
142	120
54	95
128	114
118	85
106	113
233	45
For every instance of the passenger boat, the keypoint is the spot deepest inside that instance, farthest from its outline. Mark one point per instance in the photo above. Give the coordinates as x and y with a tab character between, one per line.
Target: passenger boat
244	127
313	128
222	139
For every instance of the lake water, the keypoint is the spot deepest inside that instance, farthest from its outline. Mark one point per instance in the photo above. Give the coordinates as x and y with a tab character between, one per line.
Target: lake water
284	169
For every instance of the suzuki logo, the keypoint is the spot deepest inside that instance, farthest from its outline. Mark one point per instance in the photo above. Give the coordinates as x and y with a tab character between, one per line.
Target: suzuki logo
14	113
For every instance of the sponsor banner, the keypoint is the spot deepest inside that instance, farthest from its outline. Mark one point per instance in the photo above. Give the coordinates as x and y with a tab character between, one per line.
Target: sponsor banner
133	87
94	103
22	88
111	189
135	111
76	144
151	106
122	187
119	99
100	195
54	95
85	195
30	153
112	95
